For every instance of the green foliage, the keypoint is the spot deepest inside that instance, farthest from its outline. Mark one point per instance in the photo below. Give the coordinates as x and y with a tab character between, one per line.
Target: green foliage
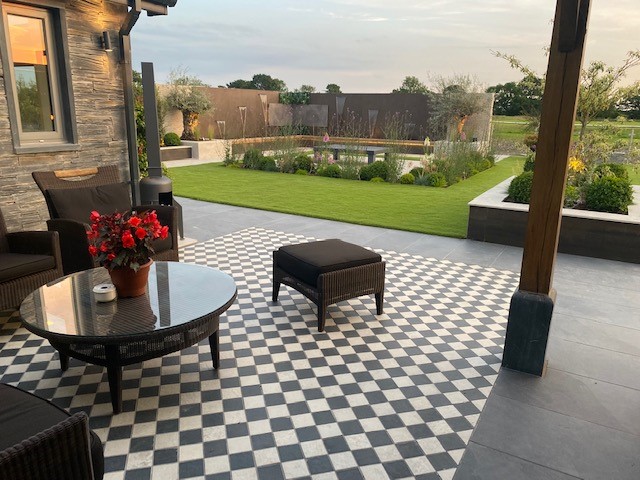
252	159
375	169
294	98
260	81
302	172
377	180
229	157
267	164
333	88
436	179
571	196
329	170
609	194
304	162
459	160
407	179
520	188
457	98
172	139
530	162
522	98
417	172
611	170
412	84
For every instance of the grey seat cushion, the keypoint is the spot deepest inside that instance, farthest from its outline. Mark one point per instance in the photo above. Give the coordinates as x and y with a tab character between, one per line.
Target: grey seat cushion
16	265
78	203
307	261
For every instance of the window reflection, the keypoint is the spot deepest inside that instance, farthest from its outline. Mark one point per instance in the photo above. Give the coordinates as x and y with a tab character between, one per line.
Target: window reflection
31	69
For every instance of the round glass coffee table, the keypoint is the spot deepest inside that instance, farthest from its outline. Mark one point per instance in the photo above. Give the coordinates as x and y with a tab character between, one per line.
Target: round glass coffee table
182	306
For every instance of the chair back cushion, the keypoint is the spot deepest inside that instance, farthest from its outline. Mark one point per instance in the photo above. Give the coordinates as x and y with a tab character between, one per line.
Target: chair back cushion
17	265
78	203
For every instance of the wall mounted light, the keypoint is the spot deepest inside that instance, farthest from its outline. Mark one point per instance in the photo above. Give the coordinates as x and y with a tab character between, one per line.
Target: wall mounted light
106	42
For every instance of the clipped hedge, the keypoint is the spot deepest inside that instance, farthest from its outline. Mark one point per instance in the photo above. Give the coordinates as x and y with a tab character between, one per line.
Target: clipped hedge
609	194
376	169
172	140
520	188
407	179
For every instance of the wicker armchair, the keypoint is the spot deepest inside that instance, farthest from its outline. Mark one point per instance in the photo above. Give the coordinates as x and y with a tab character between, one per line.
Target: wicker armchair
28	260
43	442
72	194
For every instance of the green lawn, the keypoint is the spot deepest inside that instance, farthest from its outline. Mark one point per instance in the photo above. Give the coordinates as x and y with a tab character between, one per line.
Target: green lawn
438	211
514	128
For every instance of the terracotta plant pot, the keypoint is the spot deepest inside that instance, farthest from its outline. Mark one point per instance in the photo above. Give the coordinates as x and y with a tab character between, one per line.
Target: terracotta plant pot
130	283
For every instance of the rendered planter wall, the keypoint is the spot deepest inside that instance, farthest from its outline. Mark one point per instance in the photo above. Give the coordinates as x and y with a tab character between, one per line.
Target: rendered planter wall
591	234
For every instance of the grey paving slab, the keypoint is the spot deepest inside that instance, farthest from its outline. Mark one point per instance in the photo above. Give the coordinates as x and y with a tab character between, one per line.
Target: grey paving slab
432	246
509	259
394	240
560	442
574	395
597	334
606	310
482	463
593	362
480	253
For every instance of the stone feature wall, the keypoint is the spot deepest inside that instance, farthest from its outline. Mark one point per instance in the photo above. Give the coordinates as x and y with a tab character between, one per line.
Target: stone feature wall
96	77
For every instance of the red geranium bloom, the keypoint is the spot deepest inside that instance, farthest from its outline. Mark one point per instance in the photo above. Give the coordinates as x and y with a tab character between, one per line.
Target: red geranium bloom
124	240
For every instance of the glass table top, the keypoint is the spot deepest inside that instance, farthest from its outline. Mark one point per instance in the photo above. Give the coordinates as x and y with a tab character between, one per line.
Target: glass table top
177	293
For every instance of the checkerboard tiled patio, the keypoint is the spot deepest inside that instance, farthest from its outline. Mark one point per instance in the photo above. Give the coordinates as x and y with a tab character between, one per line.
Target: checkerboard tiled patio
390	396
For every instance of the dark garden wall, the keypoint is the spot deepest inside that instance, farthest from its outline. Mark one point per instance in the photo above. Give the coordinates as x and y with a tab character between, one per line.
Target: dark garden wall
227	103
96	83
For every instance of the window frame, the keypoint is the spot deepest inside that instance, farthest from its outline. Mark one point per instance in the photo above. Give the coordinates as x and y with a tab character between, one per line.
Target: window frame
65	138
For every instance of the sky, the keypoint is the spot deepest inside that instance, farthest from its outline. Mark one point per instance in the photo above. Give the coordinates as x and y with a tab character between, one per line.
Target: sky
369	45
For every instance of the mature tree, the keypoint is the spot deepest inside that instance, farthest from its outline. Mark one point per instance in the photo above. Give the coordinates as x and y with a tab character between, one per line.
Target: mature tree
411	84
599	85
240	84
306	89
521	98
333	88
629	105
260	81
186	93
456	99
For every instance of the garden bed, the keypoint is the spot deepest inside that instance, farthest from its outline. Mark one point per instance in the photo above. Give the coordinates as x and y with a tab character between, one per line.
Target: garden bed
591	234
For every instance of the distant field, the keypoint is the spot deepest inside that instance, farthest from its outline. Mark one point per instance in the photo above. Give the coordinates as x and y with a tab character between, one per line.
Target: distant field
514	128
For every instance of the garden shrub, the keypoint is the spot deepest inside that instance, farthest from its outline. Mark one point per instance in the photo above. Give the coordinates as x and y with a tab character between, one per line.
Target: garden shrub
377	180
417	172
172	140
529	162
571	196
407	179
375	169
459	160
303	162
252	158
302	172
436	179
349	167
423	180
520	188
330	170
609	194
611	169
268	164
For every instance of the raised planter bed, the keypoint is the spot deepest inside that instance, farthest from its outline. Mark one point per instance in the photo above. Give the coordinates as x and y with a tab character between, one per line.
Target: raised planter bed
591	234
175	153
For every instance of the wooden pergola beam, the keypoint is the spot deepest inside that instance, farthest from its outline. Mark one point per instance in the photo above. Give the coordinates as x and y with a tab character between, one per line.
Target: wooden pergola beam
532	305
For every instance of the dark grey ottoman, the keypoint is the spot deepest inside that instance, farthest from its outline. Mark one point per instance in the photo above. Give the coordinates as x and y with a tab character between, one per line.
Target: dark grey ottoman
329	271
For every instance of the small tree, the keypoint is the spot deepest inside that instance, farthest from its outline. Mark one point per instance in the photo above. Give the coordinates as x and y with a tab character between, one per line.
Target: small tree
186	94
456	99
599	85
412	84
333	88
306	89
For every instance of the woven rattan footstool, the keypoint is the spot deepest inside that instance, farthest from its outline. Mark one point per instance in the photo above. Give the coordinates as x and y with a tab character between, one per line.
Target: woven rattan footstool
329	271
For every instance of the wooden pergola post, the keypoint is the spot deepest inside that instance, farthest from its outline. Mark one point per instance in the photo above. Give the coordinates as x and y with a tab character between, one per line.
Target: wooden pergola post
532	304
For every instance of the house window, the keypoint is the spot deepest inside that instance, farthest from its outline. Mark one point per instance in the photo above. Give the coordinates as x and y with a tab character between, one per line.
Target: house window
41	104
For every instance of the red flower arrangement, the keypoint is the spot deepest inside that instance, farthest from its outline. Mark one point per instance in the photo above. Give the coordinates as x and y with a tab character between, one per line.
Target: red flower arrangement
123	240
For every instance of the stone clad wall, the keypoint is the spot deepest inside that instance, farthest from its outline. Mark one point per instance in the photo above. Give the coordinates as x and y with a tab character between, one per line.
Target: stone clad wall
99	110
